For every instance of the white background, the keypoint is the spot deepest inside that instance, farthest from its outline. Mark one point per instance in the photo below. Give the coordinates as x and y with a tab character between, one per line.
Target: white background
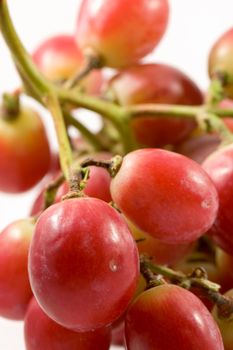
194	26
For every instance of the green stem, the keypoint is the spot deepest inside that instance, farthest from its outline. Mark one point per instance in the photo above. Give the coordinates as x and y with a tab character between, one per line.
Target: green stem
206	116
151	109
92	62
224	112
203	114
10	108
27	87
40	85
111	111
176	111
211	122
180	278
51	191
66	158
87	134
215	92
152	280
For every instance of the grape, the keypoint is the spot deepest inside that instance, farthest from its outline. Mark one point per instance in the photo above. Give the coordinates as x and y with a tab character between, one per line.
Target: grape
83	264
199	147
166	195
40	332
15	290
169	317
108	28
25	154
219	165
220	62
160	252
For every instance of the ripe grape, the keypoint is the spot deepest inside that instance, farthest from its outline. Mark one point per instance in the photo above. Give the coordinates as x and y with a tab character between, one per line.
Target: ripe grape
25	154
83	263
40	332
160	252
108	28
199	147
169	317
220	62
15	290
219	166
166	195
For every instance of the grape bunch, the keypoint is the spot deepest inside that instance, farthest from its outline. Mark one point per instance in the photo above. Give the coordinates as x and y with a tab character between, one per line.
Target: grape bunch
129	240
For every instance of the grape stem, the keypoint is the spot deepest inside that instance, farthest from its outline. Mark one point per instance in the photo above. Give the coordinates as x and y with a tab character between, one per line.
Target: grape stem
152	279
51	191
224	304
112	166
92	61
197	279
87	134
113	111
215	92
77	182
207	117
110	111
10	106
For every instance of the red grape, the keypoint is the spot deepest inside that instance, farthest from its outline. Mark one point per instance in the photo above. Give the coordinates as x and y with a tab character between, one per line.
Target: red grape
83	263
219	165
25	153
108	27
40	332
156	83
169	317
15	290
225	325
59	58
160	252
220	60
199	147
166	195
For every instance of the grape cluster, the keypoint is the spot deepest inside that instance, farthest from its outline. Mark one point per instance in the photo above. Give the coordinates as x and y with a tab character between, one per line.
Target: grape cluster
130	224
